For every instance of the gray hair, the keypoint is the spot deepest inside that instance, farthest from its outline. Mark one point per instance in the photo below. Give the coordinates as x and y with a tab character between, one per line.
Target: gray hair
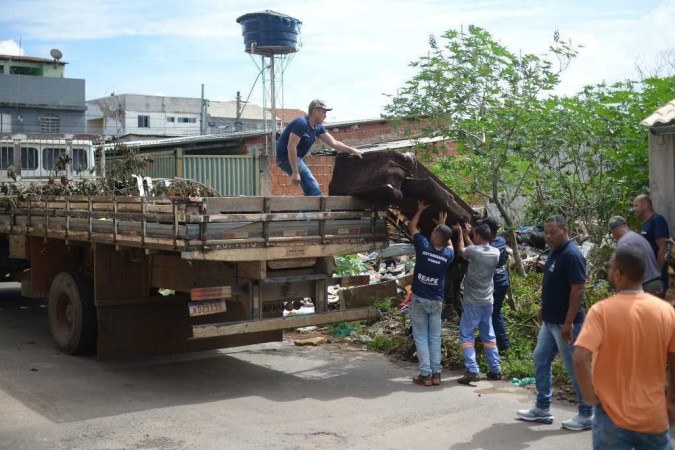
559	220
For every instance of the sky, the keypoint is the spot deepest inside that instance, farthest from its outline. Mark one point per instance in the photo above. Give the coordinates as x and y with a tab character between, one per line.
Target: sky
353	54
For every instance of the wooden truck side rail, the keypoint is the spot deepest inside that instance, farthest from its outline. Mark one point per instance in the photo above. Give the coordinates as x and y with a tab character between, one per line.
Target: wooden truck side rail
209	228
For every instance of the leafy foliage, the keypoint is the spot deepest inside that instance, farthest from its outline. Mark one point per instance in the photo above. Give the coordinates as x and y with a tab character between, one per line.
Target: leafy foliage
486	99
595	158
349	265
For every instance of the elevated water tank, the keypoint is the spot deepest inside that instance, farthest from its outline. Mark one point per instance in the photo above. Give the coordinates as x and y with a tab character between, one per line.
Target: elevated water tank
269	33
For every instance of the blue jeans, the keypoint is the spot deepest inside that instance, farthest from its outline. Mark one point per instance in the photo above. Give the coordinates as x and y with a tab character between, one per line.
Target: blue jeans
308	183
425	318
549	343
607	436
498	324
478	316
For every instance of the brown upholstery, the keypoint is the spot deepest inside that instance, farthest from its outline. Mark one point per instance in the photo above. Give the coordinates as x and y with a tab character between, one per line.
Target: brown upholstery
390	178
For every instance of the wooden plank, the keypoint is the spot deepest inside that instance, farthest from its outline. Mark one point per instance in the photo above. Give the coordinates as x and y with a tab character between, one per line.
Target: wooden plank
341	202
210	293
361	296
215	205
280	323
294	204
349	281
278	216
283	252
204	308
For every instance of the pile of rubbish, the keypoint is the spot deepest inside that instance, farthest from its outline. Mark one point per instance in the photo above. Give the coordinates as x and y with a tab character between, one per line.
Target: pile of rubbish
119	180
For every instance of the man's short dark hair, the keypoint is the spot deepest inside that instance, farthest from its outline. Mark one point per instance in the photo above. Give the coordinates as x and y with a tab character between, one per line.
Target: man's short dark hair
631	261
444	231
483	230
559	220
490	222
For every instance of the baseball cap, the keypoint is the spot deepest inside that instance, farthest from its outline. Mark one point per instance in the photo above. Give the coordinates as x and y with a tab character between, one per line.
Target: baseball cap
616	221
316	103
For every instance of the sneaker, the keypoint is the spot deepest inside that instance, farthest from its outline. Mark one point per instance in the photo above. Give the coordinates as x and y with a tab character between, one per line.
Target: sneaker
435	379
578	423
535	414
494	376
468	377
422	380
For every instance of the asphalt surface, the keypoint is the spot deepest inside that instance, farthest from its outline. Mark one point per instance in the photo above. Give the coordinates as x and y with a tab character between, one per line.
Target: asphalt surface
275	395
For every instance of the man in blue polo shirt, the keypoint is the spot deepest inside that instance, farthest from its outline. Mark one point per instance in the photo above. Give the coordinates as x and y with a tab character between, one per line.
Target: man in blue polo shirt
562	316
297	139
432	258
655	230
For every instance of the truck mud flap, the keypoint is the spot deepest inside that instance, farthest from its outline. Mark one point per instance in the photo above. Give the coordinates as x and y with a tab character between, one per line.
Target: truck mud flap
206	331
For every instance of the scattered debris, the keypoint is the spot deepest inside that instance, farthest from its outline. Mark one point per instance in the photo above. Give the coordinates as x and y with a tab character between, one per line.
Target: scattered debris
315	341
522	381
306	330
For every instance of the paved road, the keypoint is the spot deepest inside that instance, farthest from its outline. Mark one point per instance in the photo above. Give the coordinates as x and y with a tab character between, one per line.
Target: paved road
265	396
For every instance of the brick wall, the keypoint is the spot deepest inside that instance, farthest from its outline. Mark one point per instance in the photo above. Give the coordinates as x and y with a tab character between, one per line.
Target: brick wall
321	167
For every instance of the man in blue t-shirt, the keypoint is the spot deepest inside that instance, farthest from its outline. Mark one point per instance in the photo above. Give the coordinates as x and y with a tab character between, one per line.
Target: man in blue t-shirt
562	316
431	261
655	230
297	139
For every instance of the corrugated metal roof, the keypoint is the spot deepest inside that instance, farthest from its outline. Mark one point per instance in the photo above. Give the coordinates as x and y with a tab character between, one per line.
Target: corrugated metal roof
664	115
189	139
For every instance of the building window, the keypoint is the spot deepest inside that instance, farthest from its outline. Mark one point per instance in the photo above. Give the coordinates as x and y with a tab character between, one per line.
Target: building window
50	156
187	120
18	70
143	121
29	158
49	124
79	160
2	69
170	119
6	157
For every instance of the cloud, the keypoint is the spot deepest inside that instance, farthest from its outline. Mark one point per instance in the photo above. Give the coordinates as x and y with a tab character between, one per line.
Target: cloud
10	47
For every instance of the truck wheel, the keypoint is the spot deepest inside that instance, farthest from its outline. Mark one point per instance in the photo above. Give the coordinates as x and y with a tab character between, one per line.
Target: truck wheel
72	314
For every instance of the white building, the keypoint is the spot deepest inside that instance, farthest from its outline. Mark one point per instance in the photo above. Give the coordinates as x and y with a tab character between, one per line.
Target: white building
132	116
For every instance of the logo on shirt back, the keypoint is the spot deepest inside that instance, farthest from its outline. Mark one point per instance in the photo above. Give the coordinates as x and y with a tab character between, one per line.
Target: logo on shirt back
552	268
427	280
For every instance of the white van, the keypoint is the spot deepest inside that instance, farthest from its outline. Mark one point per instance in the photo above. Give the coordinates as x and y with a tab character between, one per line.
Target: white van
33	159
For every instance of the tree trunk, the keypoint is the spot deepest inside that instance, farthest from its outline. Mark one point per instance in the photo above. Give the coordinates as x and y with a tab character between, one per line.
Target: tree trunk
520	269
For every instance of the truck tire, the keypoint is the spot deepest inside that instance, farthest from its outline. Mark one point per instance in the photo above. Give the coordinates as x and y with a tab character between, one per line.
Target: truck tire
72	314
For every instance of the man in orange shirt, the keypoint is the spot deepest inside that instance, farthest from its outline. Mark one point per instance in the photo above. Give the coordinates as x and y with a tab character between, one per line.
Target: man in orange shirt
629	338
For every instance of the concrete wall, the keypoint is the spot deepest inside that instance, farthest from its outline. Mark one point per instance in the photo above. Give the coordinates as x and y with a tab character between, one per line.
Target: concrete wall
662	176
25	99
27	120
42	92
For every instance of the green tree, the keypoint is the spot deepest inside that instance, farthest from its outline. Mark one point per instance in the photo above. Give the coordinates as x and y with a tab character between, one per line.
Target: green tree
595	158
485	98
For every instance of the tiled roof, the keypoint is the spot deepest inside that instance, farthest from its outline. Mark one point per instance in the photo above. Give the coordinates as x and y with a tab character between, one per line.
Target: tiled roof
288	114
663	115
29	59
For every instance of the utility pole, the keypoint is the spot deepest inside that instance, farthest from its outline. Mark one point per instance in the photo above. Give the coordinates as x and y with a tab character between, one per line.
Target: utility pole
237	120
202	124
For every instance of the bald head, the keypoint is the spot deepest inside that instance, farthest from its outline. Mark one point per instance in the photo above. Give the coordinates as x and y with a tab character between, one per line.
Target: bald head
643	207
